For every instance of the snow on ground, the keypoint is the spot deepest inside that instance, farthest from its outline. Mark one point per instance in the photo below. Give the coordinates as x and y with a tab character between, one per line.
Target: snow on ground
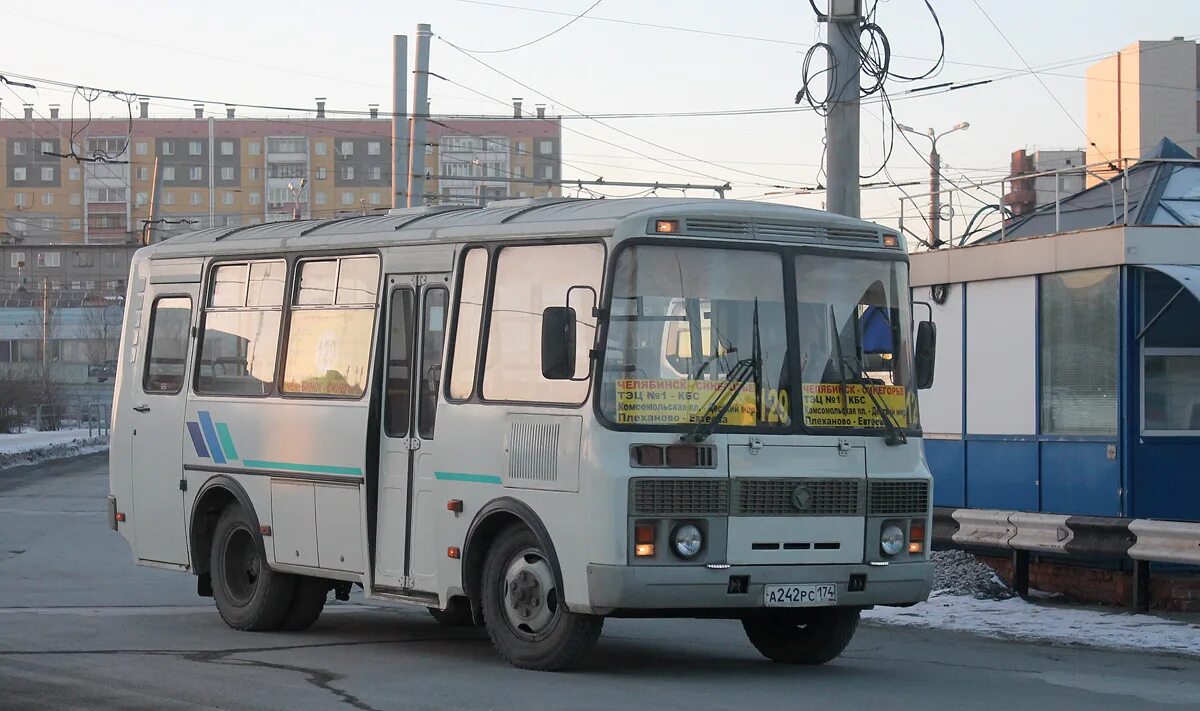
31	446
969	597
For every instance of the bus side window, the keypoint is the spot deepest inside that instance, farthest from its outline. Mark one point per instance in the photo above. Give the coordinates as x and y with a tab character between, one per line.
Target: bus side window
433	338
166	350
467	322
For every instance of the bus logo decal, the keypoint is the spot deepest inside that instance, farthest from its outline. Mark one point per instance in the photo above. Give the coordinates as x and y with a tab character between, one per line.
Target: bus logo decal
212	439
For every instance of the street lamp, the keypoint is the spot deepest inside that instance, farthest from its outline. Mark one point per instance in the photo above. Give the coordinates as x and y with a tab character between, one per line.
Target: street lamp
935	162
295	191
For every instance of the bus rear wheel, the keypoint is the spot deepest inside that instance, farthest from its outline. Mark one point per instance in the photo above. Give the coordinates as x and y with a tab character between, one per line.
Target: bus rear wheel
307	603
813	637
523	611
249	595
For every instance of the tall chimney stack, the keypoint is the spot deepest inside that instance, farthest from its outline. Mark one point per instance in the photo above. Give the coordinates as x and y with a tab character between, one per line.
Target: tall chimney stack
374	110
229	111
517	107
143	108
320	107
28	111
53	111
199	110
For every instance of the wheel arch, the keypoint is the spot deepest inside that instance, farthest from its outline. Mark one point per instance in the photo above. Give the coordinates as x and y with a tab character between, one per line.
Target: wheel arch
494	517
217	493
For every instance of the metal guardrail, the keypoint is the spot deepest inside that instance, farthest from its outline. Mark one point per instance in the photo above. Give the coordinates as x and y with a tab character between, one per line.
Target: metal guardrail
1140	540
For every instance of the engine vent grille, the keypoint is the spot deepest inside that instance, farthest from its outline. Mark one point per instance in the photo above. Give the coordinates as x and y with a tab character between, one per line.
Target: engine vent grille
533	451
851	236
798	497
892	498
718	227
677	497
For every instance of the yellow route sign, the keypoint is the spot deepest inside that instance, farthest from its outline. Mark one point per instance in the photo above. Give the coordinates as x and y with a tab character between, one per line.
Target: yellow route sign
825	406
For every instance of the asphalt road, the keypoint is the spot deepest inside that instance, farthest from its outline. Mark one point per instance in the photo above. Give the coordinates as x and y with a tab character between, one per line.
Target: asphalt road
82	627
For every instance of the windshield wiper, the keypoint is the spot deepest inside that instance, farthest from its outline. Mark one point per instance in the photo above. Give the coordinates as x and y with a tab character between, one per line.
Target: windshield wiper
895	433
744	371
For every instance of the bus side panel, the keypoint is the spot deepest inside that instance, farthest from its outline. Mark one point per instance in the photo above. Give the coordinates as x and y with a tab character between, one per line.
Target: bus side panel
120	444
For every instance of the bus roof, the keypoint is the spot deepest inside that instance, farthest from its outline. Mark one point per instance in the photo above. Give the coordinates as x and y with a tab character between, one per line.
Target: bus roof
564	217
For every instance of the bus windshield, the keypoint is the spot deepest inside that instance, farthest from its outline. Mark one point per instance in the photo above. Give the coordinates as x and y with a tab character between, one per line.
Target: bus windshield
705	335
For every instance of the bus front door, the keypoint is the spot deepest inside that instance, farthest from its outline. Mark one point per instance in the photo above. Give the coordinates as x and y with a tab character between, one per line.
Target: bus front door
416	317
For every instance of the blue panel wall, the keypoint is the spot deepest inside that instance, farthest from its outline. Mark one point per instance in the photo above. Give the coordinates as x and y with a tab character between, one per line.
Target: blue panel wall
1002	474
1166	478
1079	478
947	461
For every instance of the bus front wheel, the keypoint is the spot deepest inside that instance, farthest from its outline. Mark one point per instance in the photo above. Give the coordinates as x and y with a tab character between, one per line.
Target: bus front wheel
522	607
249	595
819	636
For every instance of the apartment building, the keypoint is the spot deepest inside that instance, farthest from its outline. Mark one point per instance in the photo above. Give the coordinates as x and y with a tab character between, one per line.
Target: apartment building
169	175
1033	184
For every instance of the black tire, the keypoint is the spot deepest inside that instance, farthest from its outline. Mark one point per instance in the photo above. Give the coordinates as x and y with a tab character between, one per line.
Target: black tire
816	638
456	614
307	603
539	633
249	595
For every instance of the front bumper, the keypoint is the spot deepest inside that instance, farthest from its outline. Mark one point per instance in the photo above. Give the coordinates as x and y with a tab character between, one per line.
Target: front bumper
624	587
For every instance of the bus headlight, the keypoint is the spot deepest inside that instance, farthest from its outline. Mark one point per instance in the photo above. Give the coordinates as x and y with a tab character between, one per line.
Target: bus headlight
686	541
891	539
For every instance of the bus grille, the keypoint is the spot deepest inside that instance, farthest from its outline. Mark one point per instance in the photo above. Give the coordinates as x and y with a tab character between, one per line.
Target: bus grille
674	497
892	498
798	497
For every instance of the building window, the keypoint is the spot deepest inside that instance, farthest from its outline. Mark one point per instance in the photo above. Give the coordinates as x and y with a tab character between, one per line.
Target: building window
347	172
520	171
195	148
141	148
106	194
1170	357
168	148
196	173
76	199
76	224
19	148
142	199
169	173
548	172
194	198
226	172
73	174
255	198
253	175
1078	324
166	354
255	148
47	198
106	221
169	198
48	147
287	145
47	174
321	173
19	174
241	329
226	148
347	148
20	200
545	147
85	258
143	173
321	198
320	148
372	148
226	198
329	332
16	260
347	198
374	198
376	173
49	259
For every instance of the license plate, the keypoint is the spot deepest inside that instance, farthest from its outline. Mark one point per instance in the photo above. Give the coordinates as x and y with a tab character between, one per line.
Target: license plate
812	595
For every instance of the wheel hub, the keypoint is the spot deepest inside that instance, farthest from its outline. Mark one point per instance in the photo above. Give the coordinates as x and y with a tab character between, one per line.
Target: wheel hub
530	595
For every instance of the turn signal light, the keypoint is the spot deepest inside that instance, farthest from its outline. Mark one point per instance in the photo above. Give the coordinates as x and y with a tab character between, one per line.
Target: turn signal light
891	241
453	552
916	535
643	540
120	516
666	227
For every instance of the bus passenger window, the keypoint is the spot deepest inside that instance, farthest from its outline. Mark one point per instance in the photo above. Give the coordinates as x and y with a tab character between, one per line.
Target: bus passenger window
471	286
166	352
241	329
329	335
433	337
399	364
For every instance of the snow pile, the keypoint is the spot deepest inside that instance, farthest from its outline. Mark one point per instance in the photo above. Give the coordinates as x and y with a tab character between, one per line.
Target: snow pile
1017	619
33	447
959	573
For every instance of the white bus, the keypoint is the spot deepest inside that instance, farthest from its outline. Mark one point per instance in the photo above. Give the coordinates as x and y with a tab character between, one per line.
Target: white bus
532	416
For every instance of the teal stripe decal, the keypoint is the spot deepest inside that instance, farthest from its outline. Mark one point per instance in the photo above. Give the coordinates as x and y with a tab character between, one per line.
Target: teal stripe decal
476	478
306	468
226	441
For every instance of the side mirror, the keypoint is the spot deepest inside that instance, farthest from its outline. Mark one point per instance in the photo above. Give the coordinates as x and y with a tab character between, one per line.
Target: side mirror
558	343
926	354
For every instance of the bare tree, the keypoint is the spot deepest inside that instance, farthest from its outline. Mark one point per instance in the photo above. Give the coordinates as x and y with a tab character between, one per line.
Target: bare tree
101	333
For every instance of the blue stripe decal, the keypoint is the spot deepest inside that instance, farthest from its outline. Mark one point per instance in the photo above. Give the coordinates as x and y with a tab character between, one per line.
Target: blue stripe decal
210	436
303	468
197	439
476	478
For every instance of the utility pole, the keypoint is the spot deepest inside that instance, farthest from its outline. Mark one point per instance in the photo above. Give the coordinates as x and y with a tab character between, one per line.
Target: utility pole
935	178
420	112
841	124
399	121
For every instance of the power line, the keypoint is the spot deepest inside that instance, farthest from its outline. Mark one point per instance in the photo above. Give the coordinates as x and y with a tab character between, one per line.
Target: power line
570	22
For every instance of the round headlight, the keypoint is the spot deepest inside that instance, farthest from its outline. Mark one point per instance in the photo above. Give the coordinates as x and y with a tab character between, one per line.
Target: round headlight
686	541
891	539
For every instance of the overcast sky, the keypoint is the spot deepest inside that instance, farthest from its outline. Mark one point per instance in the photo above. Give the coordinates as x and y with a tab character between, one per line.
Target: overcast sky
287	53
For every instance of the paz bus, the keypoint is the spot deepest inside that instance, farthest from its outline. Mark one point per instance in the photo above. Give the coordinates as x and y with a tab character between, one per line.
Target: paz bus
532	416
